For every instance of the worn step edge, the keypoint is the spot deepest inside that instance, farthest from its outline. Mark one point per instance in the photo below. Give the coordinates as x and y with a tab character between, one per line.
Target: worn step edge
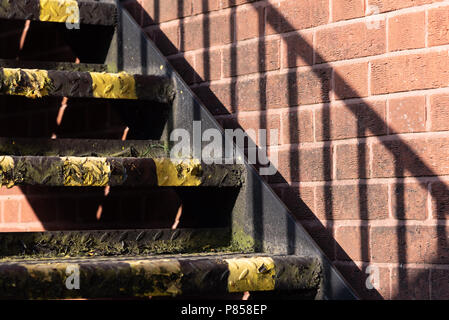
84	147
100	172
50	65
143	276
51	244
62	11
37	83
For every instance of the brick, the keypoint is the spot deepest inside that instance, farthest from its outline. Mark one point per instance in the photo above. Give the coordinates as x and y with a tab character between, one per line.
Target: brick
439	280
192	35
351	81
254	123
410	72
350	120
201	6
220	26
41	209
14	191
438	26
352	243
303	87
347	9
439	112
352	161
410	244
409	201
249	22
358	276
440	200
300	201
252	57
296	14
407	114
204	31
390	5
297	127
208	64
165	36
11	210
306	164
161	11
231	3
322	235
185	66
352	202
217	97
411	157
349	41
407	31
297	49
410	283
250	94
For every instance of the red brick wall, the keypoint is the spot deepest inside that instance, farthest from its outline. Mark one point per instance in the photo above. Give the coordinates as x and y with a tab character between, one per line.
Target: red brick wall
359	92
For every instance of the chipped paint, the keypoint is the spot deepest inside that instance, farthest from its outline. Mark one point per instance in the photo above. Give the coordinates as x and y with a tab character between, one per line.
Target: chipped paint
251	274
59	11
6	169
26	82
113	85
177	173
86	171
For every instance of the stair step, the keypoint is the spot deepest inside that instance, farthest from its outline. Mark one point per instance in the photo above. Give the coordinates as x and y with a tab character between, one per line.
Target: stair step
83	147
62	11
115	171
52	244
37	83
109	277
50	65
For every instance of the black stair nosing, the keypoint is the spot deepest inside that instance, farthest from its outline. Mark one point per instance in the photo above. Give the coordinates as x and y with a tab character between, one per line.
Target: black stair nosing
160	276
115	171
54	65
90	12
18	246
37	83
84	147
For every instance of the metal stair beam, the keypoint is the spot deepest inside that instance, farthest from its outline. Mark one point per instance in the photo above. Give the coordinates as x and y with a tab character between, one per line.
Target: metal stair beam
61	11
52	244
100	172
143	277
35	83
84	148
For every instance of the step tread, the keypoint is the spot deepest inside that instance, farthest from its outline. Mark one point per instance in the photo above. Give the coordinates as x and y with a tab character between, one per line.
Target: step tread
116	171
37	83
53	65
158	276
61	11
56	244
84	147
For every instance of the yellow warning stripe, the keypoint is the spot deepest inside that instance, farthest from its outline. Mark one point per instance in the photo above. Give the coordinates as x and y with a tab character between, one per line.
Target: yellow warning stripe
251	274
86	171
113	85
6	168
177	173
35	86
59	11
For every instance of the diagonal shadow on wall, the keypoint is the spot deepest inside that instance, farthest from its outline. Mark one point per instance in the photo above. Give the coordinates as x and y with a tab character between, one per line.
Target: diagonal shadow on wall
406	160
